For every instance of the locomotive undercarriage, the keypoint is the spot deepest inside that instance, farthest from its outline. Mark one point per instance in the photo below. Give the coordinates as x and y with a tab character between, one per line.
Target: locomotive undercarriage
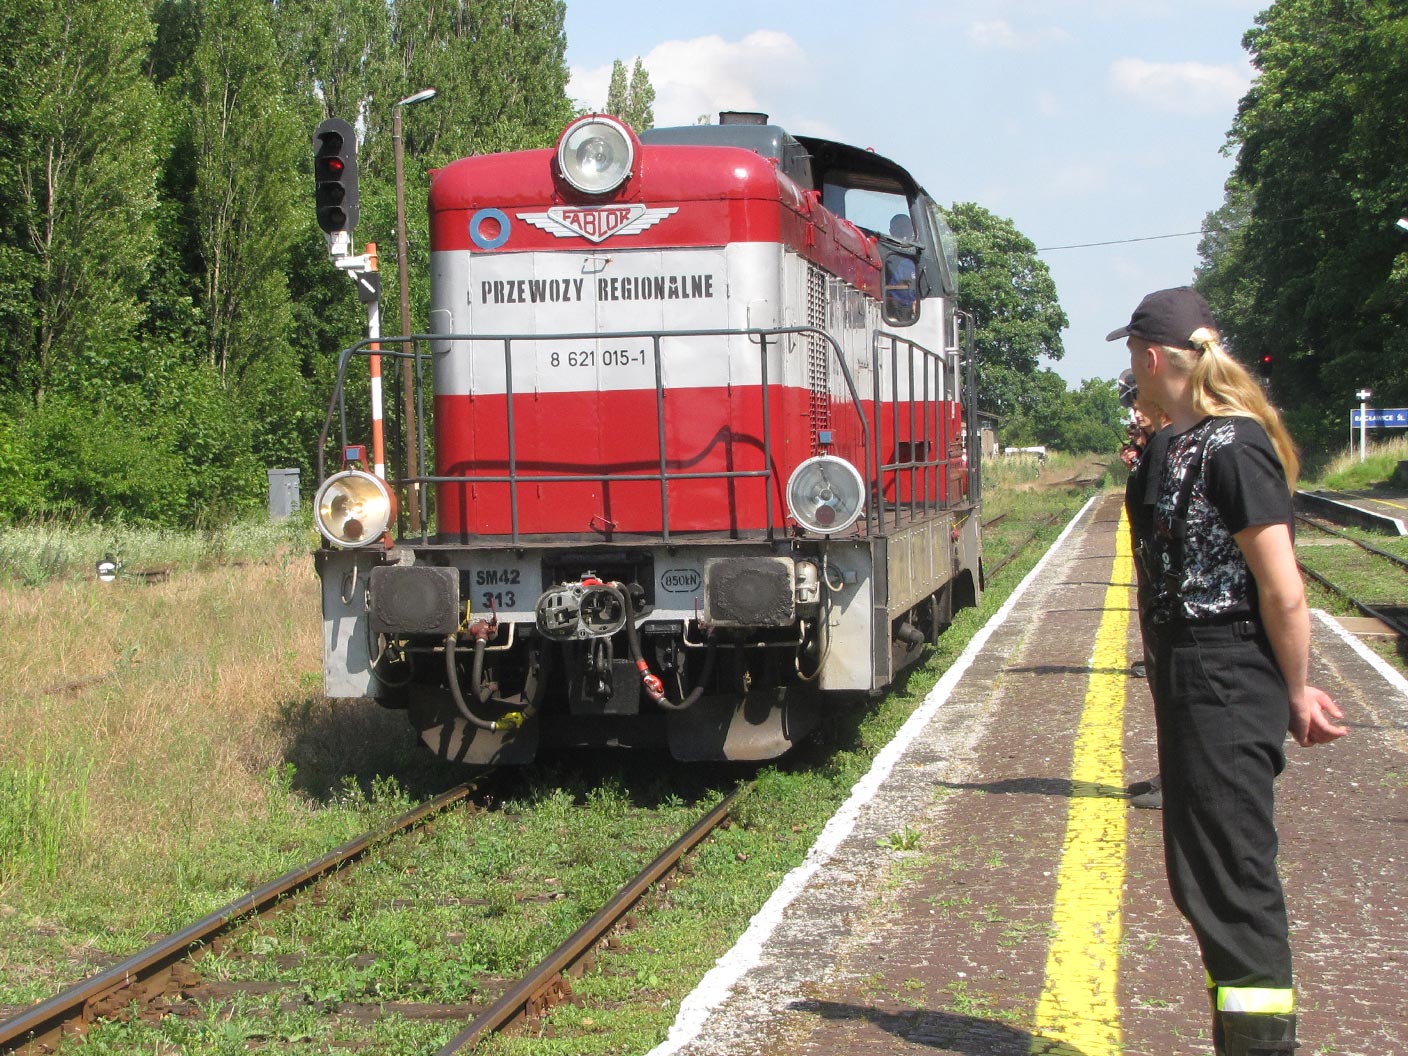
734	651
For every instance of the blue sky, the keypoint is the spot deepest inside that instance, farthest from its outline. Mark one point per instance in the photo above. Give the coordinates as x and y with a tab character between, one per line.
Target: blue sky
1082	121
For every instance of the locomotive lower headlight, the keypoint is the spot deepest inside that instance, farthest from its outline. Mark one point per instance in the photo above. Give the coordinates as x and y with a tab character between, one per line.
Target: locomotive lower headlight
595	154
353	508
825	494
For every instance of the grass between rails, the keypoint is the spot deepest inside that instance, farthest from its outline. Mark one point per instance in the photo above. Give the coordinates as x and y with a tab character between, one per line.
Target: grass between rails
172	737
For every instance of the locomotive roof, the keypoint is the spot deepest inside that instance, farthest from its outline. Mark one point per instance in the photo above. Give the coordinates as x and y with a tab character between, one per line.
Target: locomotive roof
767	141
808	160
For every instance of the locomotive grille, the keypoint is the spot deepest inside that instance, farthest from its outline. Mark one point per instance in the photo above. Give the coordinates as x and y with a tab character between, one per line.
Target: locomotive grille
818	362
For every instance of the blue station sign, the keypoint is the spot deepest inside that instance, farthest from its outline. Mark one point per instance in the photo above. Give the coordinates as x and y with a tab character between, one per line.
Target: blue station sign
1386	418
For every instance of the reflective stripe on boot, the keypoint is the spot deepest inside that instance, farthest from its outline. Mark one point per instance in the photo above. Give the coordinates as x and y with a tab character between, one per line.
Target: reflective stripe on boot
1266	1000
1257	1033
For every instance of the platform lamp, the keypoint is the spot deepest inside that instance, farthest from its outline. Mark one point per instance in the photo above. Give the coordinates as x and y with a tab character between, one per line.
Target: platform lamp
1363	397
408	392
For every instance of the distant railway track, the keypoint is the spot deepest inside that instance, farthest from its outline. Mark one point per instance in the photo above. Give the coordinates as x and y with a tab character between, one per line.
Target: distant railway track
1027	541
165	978
1378	611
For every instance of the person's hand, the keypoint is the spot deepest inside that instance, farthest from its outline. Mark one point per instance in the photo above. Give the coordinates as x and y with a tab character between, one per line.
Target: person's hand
1129	454
1312	715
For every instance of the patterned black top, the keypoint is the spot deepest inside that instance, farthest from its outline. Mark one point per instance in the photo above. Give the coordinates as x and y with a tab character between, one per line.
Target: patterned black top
1237	481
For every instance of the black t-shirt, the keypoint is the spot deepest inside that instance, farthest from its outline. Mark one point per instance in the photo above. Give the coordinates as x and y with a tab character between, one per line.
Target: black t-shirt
1141	492
1237	481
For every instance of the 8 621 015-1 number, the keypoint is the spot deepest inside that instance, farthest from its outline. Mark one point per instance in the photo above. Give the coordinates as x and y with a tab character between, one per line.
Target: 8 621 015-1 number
608	357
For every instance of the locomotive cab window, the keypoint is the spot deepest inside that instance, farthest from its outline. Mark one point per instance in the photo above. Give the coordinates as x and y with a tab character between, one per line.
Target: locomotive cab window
901	304
887	216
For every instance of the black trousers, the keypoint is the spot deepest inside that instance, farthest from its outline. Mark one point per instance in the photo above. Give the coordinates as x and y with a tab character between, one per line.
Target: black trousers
1222	713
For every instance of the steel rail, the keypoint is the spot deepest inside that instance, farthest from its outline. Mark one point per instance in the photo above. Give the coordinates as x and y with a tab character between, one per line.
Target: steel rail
989	574
43	1023
1318	526
535	992
1391	622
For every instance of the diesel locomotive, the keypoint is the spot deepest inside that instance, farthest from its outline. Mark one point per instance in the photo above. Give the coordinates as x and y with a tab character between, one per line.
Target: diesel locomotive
694	460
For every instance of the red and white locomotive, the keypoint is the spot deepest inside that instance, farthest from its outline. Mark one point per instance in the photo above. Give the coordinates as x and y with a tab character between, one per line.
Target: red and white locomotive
704	458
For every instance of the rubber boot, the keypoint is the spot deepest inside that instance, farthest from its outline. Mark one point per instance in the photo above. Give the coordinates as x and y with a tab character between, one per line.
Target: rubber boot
1257	1034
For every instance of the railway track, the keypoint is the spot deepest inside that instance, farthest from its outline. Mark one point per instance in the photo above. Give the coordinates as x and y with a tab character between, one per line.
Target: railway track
1015	552
165	979
1393	581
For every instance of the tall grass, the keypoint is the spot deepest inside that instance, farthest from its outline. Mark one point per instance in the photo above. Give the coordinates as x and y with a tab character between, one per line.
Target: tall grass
70	547
43	814
1345	472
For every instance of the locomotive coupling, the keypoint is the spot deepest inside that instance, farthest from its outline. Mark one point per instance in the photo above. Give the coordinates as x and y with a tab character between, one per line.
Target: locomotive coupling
587	609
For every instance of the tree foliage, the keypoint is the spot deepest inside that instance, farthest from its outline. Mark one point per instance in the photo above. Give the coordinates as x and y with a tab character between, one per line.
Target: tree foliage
1012	298
1303	262
1018	321
633	100
79	182
169	322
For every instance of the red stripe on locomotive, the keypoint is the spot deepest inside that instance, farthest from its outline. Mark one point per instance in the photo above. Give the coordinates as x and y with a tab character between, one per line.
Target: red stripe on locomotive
708	430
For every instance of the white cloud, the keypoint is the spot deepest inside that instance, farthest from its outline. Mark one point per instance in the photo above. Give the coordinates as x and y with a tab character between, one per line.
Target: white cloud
1182	87
998	35
705	75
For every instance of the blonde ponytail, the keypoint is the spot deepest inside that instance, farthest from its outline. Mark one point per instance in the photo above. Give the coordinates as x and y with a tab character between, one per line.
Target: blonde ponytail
1222	386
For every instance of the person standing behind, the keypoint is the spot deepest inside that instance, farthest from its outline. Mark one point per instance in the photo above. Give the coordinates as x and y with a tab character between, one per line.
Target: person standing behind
1141	493
1232	640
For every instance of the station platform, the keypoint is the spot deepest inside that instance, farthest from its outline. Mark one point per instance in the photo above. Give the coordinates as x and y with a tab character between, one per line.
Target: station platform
1377	509
989	891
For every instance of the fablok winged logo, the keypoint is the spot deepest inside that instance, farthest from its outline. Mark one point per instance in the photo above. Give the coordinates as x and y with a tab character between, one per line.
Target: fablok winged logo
598	223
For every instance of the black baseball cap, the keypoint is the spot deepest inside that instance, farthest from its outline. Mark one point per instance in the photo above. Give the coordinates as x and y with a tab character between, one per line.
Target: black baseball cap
1128	390
1168	317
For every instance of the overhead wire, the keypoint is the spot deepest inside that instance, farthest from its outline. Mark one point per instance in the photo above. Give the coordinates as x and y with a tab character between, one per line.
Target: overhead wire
1200	231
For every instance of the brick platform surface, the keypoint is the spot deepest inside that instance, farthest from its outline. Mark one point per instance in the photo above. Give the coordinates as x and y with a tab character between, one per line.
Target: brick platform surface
937	942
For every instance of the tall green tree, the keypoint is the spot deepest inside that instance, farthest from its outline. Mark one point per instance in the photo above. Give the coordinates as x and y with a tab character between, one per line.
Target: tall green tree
1012	298
78	184
500	68
337	55
1087	419
244	146
1316	274
633	100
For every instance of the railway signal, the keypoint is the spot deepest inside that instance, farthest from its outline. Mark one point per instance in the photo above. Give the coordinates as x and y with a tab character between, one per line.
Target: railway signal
335	171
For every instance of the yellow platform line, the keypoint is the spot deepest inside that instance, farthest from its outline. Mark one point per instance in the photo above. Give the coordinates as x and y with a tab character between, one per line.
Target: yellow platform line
1078	1012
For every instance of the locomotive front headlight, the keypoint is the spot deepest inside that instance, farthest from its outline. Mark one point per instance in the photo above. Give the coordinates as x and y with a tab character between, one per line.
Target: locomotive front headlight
825	494
353	508
595	154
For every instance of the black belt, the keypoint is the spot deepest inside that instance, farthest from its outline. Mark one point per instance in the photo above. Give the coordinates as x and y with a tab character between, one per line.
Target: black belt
1184	631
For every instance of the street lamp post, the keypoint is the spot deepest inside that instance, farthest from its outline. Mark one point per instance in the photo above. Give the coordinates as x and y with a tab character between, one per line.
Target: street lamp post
408	393
1363	396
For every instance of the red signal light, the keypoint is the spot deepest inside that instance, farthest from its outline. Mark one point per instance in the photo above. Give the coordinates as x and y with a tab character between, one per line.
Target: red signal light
335	173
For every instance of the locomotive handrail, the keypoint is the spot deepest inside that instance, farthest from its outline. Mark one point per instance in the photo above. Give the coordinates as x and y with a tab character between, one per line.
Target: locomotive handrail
932	467
337	405
970	383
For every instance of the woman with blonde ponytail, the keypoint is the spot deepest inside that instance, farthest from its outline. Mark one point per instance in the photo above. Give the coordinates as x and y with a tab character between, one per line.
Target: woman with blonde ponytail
1233	645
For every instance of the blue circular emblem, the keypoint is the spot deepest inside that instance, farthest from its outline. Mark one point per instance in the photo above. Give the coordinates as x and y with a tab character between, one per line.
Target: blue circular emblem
476	223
